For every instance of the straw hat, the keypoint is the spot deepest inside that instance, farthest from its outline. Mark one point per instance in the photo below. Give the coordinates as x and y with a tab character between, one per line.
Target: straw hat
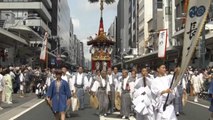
184	98
75	103
94	101
117	101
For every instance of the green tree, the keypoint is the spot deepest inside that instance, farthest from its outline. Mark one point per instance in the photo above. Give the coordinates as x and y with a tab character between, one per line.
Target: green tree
106	1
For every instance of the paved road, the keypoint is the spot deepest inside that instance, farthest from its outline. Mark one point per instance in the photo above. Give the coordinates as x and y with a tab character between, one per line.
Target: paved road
192	111
17	101
42	112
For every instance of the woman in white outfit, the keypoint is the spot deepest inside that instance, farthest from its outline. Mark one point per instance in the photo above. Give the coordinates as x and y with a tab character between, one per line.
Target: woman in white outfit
1	86
196	82
22	83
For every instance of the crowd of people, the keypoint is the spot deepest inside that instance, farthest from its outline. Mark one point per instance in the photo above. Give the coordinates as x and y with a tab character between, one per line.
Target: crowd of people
21	80
140	92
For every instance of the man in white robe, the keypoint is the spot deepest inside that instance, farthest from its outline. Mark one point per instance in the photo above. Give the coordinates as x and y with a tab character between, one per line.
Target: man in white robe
124	90
112	82
160	87
101	88
144	82
80	83
196	83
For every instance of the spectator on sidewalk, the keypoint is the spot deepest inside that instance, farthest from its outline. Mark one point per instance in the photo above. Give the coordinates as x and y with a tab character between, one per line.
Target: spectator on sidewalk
17	81
8	89
1	86
210	91
22	82
196	82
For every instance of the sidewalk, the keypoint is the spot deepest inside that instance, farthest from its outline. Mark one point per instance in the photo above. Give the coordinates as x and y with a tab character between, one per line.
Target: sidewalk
17	101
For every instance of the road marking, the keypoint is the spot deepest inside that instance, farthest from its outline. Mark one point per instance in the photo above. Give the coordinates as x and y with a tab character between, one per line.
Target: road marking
198	104
23	112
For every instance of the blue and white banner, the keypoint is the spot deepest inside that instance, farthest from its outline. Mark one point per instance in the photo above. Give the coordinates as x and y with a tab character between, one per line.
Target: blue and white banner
196	16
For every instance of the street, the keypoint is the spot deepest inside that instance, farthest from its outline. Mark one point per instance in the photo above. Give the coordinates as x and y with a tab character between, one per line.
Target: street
32	108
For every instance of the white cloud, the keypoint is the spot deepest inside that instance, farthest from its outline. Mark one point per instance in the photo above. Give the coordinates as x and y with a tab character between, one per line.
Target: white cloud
76	23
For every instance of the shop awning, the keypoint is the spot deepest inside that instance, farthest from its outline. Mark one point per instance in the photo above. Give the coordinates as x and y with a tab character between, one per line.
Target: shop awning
8	39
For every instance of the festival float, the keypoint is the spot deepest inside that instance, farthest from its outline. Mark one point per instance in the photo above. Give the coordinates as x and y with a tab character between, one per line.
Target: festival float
101	47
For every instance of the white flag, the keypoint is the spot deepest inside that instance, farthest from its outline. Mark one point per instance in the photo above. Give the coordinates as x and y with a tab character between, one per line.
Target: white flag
44	47
196	16
162	43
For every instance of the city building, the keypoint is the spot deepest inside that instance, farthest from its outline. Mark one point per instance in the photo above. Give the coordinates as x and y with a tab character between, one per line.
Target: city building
29	20
133	26
203	56
60	21
81	54
112	33
122	34
145	13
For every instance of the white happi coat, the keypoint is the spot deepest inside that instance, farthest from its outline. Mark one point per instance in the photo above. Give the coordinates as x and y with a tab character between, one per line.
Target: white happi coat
80	81
144	108
196	82
97	84
157	86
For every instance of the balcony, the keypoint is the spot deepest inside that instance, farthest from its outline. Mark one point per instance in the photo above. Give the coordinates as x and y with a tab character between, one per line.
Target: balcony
151	25
32	23
48	3
37	22
37	6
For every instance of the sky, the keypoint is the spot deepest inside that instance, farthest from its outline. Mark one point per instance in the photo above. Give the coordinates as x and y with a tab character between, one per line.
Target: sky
86	16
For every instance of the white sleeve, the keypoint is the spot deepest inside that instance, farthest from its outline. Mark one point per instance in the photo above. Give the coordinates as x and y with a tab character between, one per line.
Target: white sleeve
108	88
132	88
73	80
95	86
86	82
89	82
70	83
21	77
119	87
154	88
116	83
184	83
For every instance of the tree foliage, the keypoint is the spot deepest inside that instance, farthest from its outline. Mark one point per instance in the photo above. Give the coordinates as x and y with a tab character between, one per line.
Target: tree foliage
106	1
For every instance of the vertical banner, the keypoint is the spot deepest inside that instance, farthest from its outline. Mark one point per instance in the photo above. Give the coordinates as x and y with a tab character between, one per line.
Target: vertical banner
44	48
162	43
196	16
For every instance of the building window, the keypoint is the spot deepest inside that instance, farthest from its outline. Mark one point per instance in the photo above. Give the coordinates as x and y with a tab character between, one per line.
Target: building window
168	10
159	4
